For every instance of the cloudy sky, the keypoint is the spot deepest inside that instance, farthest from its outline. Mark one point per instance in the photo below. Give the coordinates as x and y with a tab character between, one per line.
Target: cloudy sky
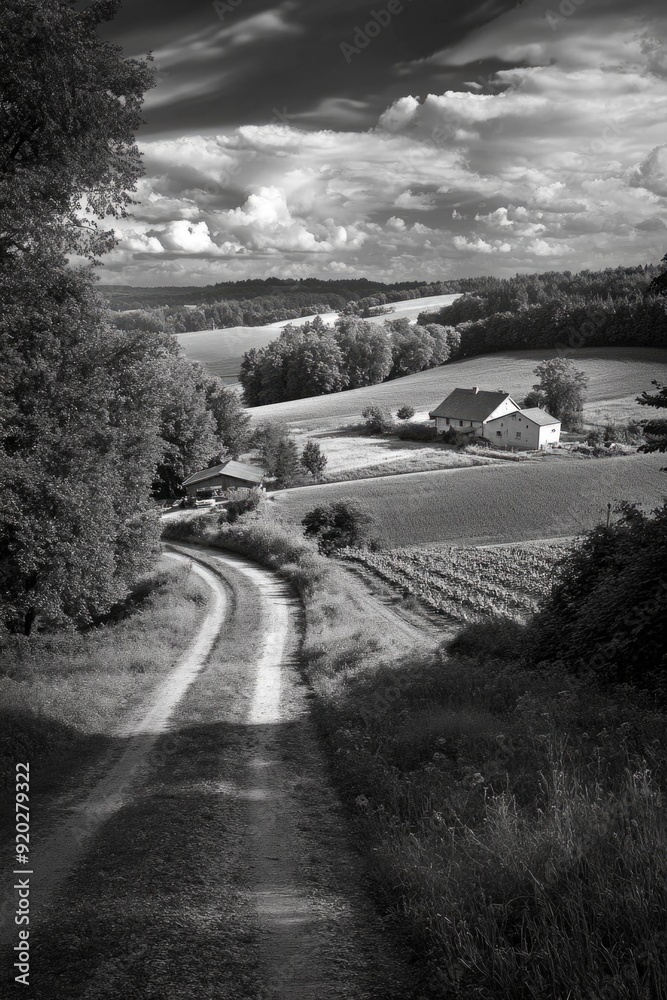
407	139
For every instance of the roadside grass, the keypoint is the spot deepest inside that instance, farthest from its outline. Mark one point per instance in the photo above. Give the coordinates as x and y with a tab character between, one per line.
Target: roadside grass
62	694
504	502
469	584
423	460
514	817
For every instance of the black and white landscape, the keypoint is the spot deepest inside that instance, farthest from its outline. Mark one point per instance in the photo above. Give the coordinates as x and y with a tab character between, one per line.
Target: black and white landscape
333	520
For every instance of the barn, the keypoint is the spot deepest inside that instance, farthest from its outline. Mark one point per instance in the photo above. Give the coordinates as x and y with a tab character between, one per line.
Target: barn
227	476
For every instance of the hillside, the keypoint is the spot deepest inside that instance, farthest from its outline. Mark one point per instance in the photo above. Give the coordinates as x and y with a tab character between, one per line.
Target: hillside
221	350
614	372
493	503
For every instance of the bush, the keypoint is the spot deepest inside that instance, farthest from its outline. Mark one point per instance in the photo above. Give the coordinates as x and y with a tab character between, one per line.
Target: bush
455	439
240	502
378	420
608	609
336	525
414	431
405	412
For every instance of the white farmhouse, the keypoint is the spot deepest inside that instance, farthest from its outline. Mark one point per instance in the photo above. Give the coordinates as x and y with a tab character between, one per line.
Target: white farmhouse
496	417
533	429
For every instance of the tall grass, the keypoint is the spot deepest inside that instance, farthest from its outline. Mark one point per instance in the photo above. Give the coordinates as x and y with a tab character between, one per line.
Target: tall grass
514	817
62	694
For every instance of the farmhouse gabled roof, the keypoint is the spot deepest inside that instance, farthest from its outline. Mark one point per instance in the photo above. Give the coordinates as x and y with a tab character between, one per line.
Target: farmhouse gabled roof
470	404
237	470
538	416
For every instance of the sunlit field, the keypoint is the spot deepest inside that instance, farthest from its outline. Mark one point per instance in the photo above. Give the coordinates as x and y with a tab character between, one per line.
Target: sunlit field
496	503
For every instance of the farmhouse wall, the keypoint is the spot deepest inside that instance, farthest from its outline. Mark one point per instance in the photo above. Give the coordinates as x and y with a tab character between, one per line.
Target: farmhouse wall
514	430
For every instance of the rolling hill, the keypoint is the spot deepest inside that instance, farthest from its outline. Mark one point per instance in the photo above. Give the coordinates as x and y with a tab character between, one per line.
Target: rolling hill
221	350
615	373
493	503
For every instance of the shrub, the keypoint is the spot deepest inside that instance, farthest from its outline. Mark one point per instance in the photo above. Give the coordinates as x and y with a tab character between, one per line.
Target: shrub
608	609
378	420
414	431
240	502
455	439
405	412
336	525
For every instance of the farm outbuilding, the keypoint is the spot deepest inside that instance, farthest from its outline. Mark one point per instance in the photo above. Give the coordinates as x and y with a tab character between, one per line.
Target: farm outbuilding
229	475
532	429
496	417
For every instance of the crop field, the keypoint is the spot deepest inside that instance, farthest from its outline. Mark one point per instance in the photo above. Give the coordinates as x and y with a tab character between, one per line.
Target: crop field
507	502
221	350
469	584
614	373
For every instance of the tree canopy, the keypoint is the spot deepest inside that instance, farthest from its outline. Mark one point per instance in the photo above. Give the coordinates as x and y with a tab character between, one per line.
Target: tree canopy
92	416
560	390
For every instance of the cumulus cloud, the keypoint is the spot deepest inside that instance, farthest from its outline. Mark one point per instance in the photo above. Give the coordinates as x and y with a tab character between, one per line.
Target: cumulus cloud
651	173
559	159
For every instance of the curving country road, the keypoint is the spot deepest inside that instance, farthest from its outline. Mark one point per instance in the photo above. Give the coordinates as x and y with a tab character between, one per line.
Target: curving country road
213	858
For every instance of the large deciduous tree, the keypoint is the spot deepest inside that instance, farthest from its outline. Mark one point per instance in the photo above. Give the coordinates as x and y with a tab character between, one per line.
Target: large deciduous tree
560	390
70	108
80	402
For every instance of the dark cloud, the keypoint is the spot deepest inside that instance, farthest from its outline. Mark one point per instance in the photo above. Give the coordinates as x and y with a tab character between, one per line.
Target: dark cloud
223	66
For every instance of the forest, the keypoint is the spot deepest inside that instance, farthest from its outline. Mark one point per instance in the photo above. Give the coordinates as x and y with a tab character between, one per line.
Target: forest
617	307
262	302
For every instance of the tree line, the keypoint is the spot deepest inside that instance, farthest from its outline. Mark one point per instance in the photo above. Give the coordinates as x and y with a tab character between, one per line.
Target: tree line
616	307
258	310
317	359
94	419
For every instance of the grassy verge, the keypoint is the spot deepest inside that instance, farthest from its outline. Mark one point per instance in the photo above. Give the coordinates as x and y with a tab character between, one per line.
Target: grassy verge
425	460
515	817
61	695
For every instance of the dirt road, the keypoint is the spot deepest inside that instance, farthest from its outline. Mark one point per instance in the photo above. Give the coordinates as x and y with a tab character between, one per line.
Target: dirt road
216	860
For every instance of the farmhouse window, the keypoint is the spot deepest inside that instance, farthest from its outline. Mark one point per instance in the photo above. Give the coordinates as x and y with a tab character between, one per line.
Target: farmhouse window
460	423
499	434
518	435
447	421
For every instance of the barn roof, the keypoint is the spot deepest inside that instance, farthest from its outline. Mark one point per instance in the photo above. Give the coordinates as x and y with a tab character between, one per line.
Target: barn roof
236	470
539	416
470	404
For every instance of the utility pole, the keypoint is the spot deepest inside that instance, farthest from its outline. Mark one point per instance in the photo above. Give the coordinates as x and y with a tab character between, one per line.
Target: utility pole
608	513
